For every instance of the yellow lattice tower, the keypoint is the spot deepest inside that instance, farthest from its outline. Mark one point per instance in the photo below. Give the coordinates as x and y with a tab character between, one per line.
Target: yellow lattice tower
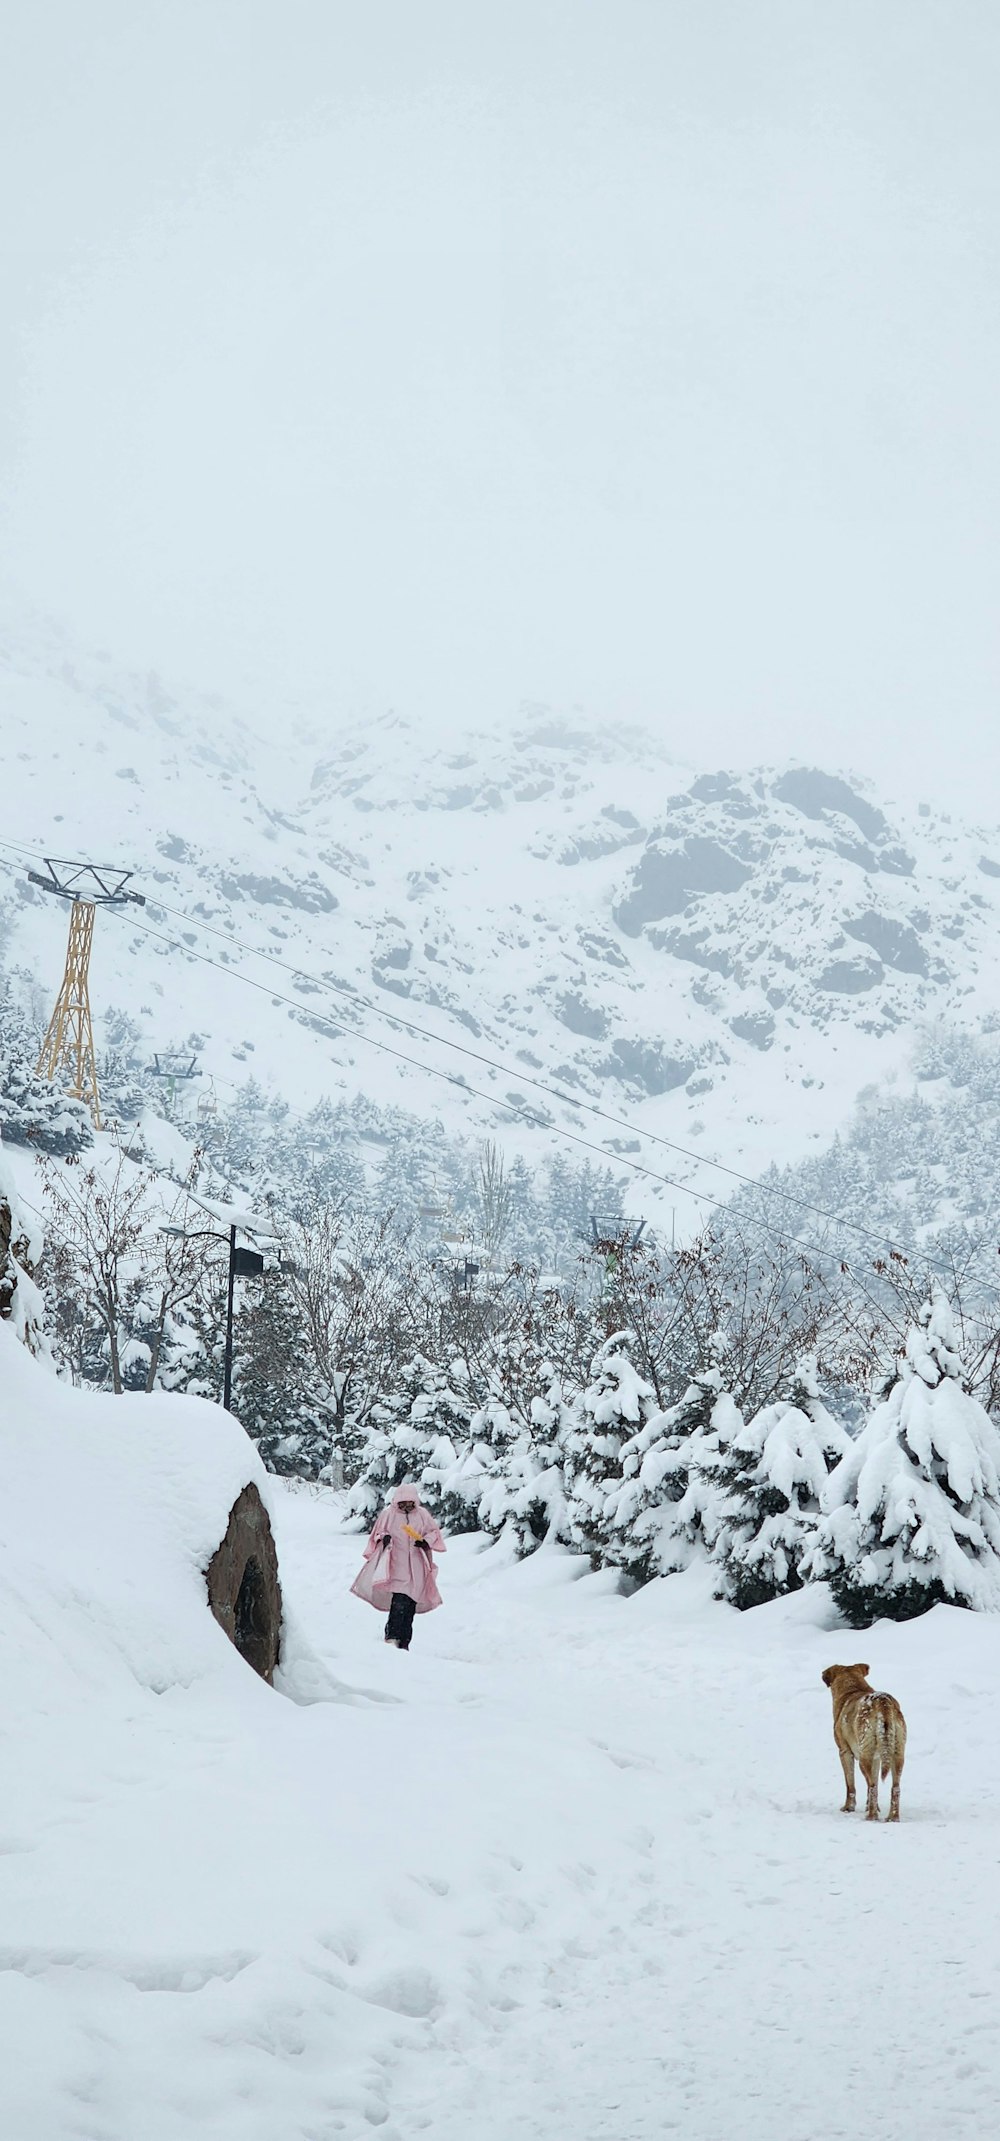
68	1046
69	1041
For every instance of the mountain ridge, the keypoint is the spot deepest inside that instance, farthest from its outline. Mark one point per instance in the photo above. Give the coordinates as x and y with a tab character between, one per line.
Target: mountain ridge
723	958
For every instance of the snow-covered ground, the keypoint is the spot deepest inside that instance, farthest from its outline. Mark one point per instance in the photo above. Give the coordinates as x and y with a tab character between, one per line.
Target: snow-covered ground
574	1867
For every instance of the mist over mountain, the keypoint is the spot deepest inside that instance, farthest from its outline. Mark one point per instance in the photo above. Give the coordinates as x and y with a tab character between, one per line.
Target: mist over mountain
722	958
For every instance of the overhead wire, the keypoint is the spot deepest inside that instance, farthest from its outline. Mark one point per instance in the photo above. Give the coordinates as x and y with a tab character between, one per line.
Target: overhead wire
507	1070
534	1119
521	1113
551	1092
515	1109
368	1040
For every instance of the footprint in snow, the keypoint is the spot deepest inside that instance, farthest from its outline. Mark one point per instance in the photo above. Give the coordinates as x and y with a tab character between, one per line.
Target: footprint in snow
623	1761
434	1882
341	1945
405	1992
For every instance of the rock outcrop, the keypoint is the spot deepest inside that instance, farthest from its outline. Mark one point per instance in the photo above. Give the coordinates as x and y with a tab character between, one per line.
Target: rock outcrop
243	1588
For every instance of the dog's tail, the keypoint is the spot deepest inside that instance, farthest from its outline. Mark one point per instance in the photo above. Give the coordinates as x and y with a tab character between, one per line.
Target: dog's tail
890	1735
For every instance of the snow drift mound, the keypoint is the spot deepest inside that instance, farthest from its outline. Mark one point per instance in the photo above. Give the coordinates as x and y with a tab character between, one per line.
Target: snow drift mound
113	1509
20	1300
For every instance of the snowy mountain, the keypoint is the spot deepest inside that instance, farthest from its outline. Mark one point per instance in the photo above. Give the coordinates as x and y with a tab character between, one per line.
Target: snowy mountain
723	959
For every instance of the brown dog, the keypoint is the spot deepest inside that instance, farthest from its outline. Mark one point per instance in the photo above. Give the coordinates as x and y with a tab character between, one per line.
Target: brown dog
870	1726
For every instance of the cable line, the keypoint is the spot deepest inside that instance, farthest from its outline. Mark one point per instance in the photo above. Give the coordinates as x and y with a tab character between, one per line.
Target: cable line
553	1093
520	1113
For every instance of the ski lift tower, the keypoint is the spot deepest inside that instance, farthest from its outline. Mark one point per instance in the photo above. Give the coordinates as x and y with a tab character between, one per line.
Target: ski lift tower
68	1046
613	1237
177	1066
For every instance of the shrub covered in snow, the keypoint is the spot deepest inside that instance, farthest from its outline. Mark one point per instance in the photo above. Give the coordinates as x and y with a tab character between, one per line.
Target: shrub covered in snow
32	1111
21	1303
275	1396
522	1497
690	1469
459	1485
489	1464
616	1402
638	1511
775	1476
415	1434
914	1506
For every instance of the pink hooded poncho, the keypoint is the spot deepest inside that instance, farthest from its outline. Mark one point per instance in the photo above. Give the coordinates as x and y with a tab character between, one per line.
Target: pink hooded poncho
393	1560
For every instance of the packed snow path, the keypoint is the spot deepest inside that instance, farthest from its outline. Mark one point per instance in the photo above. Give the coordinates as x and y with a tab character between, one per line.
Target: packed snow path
573	1868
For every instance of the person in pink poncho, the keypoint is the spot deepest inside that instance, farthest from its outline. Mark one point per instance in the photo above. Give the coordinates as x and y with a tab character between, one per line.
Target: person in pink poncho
398	1576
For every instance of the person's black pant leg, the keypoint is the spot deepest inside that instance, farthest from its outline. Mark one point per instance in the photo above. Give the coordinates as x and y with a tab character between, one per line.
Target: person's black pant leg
399	1627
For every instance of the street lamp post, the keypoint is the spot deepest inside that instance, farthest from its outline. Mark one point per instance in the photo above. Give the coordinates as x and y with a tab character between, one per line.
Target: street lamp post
243	1264
227	1376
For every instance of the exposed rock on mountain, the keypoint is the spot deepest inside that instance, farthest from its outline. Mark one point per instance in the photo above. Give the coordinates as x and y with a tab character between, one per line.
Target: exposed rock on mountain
726	958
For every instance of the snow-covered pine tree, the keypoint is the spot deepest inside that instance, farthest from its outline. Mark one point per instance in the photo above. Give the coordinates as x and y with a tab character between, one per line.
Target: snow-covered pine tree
273	1397
914	1506
380	1471
539	1494
351	1427
33	1111
316	1159
122	1074
471	1448
243	1133
458	1486
483	1468
774	1477
686	1469
614	1405
417	1434
523	1497
637	1513
440	1416
568	1192
184	1362
528	1238
21	1303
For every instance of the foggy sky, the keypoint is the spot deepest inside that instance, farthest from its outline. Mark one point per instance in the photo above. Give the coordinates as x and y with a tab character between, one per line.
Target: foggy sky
444	354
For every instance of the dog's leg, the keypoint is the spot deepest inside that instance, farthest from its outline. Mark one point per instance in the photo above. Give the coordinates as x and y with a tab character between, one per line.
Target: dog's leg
897	1771
871	1777
847	1764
